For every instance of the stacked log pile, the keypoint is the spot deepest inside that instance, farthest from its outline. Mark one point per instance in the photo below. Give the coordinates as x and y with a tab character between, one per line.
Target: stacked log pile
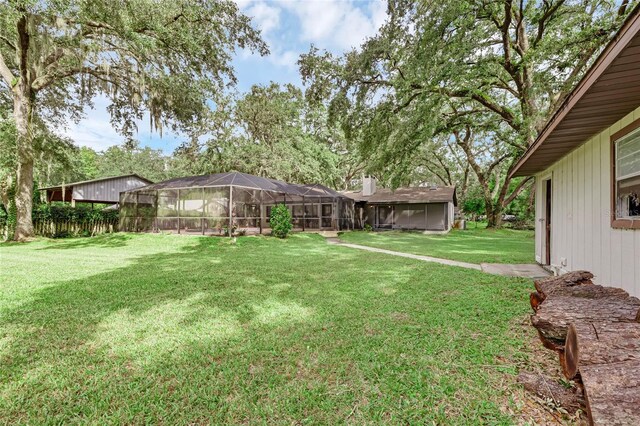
596	332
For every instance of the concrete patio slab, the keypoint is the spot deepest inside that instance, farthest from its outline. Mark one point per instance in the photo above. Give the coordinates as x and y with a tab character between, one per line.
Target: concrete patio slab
523	270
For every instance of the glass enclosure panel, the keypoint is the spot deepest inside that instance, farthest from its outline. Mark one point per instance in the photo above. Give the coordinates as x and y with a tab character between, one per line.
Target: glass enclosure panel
190	225
128	204
127	224
247	223
145	224
191	202
311	223
147	204
297	210
311	210
216	202
164	224
168	203
327	222
215	226
327	210
246	203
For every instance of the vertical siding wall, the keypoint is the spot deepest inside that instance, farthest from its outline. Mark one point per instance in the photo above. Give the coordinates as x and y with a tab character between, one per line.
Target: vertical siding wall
108	189
581	230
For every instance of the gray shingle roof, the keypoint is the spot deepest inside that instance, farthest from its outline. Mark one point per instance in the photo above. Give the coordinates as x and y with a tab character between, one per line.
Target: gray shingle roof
441	194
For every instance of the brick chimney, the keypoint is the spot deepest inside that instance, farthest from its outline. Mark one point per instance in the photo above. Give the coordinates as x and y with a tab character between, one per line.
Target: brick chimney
368	186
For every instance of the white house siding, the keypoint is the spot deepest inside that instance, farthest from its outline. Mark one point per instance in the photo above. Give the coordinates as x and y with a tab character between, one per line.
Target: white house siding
581	229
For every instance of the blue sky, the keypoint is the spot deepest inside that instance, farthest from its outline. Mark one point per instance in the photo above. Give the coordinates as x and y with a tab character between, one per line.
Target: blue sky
289	27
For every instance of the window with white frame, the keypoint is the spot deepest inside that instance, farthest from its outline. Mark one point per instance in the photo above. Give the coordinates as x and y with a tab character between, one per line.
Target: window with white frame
627	176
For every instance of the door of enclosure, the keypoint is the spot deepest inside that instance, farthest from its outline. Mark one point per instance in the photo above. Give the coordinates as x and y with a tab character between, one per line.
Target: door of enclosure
437	216
326	220
385	217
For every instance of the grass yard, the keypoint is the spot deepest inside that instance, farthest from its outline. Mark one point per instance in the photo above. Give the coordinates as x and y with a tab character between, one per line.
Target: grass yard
473	245
141	329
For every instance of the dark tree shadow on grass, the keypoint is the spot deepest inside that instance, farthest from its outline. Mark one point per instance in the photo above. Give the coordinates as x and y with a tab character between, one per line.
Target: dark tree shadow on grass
104	240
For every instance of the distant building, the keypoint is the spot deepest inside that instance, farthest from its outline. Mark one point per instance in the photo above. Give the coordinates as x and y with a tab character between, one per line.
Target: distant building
426	208
104	190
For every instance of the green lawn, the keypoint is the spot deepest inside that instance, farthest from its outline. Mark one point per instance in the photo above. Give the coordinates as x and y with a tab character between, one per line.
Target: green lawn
141	329
474	245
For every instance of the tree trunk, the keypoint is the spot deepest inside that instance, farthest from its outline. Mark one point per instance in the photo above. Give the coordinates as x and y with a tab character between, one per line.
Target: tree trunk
22	113
556	313
494	215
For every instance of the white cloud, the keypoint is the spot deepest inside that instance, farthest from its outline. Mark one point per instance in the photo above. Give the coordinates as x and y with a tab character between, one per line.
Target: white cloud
337	24
288	59
265	17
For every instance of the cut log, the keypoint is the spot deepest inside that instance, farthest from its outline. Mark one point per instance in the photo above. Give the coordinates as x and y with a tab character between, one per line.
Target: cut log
582	291
549	285
612	393
569	399
600	343
556	313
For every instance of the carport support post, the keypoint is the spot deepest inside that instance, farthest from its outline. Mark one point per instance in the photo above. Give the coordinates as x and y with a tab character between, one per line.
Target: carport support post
230	227
261	207
203	209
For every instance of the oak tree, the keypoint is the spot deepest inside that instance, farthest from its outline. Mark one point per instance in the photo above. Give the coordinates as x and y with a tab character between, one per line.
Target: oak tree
169	58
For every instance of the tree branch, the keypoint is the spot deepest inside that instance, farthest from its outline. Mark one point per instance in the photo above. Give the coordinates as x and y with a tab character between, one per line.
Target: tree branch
8	42
550	10
488	103
516	191
5	72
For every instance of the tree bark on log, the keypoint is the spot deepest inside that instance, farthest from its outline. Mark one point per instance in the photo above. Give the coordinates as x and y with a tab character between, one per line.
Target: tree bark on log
612	393
580	291
600	343
556	313
547	388
549	285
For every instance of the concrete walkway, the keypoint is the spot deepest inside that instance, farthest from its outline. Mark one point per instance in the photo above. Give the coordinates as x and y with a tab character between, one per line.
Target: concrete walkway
510	270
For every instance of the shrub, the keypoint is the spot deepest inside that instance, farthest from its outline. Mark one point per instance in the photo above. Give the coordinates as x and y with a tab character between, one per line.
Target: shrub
367	227
280	221
66	213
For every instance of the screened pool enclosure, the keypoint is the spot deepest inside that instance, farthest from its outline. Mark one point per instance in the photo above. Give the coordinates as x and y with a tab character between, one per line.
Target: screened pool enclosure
219	203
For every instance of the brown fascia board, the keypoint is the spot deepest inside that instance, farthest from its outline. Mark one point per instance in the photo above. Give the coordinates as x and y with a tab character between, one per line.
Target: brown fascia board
621	40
